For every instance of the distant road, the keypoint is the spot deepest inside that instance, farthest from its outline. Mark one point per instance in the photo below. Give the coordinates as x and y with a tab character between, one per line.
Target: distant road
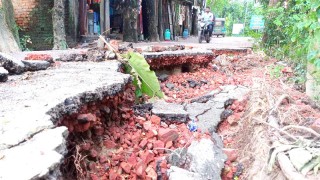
226	42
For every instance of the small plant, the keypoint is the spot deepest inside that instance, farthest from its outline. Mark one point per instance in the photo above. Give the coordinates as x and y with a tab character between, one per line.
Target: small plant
24	42
276	71
144	79
49	40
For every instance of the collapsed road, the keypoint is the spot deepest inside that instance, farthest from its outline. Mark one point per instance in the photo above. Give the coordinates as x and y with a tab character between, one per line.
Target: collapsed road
43	114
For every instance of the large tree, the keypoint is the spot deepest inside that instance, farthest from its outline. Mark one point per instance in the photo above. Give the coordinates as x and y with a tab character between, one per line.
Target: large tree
59	32
152	22
9	38
131	9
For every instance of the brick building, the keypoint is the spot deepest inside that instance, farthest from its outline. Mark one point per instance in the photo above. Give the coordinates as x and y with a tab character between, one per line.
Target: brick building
34	20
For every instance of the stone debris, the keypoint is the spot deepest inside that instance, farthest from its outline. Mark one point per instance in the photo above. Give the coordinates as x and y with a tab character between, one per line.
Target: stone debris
169	111
170	86
35	65
3	74
11	64
163	77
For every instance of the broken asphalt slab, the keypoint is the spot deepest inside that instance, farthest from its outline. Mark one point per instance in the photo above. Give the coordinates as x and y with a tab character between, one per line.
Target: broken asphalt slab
29	107
11	64
3	74
159	60
35	65
169	111
207	114
204	160
37	158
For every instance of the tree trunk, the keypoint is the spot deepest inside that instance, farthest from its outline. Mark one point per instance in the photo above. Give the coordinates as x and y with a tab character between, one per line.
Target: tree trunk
83	17
59	33
273	2
130	20
160	21
194	21
152	20
9	37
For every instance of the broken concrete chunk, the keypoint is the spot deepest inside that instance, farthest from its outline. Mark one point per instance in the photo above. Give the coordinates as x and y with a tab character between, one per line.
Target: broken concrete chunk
169	111
206	115
299	157
175	173
206	159
35	65
235	92
37	157
163	77
11	64
170	86
111	56
3	74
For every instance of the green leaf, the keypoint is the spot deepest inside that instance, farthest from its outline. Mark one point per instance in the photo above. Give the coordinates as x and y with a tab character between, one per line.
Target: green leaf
296	17
317	64
310	165
149	82
277	22
315	4
316	169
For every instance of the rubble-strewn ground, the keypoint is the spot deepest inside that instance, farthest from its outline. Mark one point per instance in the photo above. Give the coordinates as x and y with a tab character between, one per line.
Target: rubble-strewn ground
223	119
247	141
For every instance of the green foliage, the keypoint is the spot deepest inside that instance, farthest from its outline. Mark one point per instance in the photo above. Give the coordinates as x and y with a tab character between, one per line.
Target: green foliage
276	71
49	40
234	12
25	40
144	79
293	31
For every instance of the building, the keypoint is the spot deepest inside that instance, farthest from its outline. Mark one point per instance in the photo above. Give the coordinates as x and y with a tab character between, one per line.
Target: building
85	18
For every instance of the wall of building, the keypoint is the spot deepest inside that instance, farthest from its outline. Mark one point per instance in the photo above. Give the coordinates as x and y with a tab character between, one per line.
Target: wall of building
35	20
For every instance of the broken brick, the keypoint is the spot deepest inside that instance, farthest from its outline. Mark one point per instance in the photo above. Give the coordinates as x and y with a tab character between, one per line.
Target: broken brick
140	168
166	135
316	125
158	145
109	144
143	143
147	125
147	156
168	145
126	167
151	173
232	154
132	160
155	119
